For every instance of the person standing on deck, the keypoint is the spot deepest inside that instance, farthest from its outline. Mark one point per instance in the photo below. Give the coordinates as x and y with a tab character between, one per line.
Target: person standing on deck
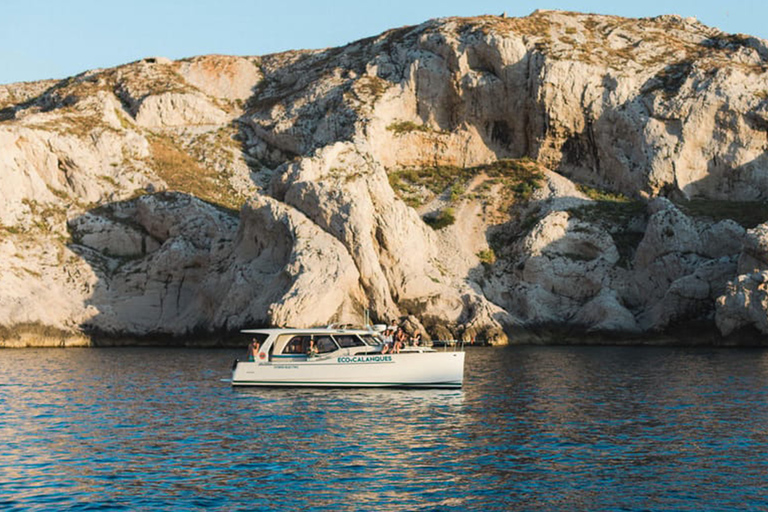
253	350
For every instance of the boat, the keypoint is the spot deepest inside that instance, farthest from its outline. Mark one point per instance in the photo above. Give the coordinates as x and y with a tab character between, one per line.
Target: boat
343	357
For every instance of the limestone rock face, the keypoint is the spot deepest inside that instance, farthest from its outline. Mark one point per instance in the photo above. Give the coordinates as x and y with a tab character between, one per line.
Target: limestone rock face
44	168
669	231
172	109
567	257
744	302
222	76
294	273
473	177
151	256
606	313
44	286
754	256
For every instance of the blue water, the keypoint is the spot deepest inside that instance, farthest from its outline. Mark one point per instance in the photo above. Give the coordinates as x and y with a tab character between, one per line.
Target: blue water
535	428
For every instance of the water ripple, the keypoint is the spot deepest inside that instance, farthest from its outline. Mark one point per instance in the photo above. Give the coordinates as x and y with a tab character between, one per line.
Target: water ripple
535	428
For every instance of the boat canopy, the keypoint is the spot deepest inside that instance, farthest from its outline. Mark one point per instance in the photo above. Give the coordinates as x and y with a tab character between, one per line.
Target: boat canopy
297	341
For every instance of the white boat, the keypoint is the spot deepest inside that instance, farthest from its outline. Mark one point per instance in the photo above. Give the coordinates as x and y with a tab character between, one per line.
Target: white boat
343	358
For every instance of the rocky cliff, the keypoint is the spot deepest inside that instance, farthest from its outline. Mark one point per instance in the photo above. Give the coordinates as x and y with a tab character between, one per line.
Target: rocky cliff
483	178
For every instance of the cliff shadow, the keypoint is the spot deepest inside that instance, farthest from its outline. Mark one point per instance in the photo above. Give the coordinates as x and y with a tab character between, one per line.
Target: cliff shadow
150	259
278	125
736	193
48	99
577	283
745	182
613	151
505	111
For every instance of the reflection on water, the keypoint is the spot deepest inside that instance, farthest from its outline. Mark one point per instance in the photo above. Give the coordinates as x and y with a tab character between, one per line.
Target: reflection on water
535	428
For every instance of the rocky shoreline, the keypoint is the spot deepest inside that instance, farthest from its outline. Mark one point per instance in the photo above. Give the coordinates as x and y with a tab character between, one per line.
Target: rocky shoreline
701	335
476	178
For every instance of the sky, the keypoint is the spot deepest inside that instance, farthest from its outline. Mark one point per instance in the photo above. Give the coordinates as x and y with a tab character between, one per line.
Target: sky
42	39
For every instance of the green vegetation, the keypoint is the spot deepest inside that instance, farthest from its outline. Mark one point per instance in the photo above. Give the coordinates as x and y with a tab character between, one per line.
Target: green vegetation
61	194
75	122
370	87
615	213
457	190
124	123
602	195
521	177
746	213
487	256
46	217
434	179
343	175
109	180
185	174
401	127
444	218
11	230
219	146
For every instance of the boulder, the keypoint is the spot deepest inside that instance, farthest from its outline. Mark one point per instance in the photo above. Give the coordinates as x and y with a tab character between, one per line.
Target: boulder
744	301
669	231
744	304
604	313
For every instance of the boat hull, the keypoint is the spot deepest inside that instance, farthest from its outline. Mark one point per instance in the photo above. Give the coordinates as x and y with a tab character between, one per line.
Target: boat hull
412	370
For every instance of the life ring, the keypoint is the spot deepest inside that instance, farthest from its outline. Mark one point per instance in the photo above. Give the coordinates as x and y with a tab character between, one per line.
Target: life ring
262	355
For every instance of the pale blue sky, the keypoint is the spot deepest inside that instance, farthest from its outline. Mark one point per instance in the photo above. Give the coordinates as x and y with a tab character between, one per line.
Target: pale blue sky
60	38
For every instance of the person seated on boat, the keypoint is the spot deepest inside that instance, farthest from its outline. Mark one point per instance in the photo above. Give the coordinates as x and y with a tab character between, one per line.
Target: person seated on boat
388	341
400	339
253	350
312	350
416	339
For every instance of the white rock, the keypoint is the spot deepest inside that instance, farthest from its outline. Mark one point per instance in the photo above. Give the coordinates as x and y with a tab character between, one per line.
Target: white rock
319	135
605	313
178	109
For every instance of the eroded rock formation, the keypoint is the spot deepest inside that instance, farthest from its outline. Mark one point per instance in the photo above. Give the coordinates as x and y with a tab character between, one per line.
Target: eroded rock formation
476	177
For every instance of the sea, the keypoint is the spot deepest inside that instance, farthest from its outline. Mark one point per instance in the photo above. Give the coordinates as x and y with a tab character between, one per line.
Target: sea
533	428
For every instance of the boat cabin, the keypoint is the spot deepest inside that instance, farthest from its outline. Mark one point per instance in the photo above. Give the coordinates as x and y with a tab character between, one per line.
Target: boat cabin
282	344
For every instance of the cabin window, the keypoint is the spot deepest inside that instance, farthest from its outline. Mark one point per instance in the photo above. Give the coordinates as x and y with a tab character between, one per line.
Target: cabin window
372	339
297	345
325	344
348	340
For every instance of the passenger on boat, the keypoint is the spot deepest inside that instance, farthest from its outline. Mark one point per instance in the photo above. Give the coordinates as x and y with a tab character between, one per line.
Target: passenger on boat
312	350
416	339
388	341
253	350
400	338
296	345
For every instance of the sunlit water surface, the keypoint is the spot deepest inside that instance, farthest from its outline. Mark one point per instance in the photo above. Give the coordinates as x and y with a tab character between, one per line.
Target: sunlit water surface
535	428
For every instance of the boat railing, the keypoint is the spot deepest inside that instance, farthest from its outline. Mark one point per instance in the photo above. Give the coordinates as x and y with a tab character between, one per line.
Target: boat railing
377	328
